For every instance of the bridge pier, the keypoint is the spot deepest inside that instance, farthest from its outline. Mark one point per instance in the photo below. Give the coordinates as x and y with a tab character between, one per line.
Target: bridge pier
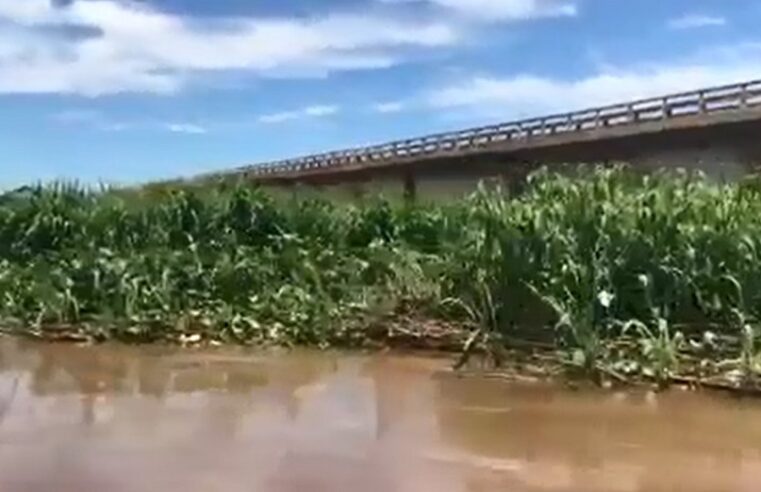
410	186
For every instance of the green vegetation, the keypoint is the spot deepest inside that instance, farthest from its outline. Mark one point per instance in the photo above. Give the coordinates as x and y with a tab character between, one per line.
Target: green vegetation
612	274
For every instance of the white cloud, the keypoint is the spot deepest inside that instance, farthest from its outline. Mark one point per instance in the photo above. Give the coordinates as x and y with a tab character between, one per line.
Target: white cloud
136	48
26	11
97	120
188	128
280	117
510	9
504	10
90	118
694	21
316	111
389	107
76	116
530	95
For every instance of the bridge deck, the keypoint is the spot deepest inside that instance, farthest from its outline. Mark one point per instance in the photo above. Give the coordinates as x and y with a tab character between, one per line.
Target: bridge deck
736	103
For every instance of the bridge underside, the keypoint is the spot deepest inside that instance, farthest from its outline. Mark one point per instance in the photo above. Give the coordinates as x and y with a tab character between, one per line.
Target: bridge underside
723	151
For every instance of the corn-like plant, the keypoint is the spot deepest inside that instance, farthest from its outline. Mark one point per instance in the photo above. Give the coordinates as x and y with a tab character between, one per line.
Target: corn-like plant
584	260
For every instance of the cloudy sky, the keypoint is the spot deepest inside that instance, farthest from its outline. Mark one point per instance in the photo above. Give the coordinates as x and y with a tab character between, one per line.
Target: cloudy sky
128	91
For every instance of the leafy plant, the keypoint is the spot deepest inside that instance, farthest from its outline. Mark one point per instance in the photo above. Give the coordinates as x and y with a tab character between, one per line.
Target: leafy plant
600	263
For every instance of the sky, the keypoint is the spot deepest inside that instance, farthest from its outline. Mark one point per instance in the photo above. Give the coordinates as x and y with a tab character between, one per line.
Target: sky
128	91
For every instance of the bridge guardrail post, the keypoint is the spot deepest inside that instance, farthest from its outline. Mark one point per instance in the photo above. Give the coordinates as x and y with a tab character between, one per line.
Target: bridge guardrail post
744	96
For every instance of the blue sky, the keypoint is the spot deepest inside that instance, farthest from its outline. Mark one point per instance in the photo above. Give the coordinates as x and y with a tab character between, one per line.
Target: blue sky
130	91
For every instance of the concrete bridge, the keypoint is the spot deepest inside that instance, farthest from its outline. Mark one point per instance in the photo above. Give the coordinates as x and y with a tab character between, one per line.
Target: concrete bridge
717	130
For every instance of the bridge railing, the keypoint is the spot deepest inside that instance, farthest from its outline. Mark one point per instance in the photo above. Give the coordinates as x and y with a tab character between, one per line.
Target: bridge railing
705	101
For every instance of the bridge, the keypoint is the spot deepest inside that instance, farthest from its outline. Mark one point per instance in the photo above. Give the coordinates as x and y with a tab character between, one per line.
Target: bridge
716	129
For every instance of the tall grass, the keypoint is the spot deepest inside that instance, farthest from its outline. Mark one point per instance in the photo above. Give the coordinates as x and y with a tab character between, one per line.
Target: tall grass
624	273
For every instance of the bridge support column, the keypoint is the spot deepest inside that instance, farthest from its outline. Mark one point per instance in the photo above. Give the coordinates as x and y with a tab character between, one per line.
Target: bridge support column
410	186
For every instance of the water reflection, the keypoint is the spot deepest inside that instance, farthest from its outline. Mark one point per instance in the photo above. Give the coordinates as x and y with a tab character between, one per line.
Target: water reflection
120	418
634	441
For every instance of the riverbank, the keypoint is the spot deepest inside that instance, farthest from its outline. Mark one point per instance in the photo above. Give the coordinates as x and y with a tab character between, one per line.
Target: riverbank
515	360
617	276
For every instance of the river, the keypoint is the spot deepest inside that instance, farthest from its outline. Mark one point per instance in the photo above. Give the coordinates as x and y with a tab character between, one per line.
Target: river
114	418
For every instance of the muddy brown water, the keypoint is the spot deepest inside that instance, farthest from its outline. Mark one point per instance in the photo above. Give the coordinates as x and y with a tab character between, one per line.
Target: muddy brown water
114	418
